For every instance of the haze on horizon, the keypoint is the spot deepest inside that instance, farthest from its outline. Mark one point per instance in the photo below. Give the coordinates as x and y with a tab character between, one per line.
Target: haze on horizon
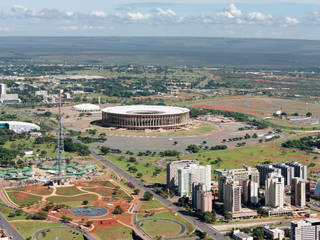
290	19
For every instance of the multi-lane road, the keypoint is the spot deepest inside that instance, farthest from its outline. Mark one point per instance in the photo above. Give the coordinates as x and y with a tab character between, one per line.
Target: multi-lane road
4	224
199	225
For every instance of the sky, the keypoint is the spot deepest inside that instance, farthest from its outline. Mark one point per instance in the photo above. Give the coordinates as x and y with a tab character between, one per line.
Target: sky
291	19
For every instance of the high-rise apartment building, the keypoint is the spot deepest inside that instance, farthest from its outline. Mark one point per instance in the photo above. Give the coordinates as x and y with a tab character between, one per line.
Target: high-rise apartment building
172	171
298	192
238	175
190	174
201	197
232	196
264	171
287	172
250	192
274	190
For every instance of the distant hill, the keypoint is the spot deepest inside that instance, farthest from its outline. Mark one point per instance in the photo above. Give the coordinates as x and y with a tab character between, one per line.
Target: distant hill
162	51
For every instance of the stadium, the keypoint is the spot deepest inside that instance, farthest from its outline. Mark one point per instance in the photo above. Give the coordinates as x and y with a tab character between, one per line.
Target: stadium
140	117
86	108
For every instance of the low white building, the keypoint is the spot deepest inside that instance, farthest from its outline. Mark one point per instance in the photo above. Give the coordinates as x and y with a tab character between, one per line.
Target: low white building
275	233
238	235
19	127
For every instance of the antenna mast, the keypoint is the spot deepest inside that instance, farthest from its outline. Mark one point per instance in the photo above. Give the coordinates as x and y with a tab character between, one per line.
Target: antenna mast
60	155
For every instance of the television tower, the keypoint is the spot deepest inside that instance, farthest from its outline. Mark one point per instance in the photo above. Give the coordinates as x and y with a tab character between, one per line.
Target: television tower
60	154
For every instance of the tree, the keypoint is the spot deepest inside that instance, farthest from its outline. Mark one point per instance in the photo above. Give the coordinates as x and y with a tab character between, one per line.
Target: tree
139	175
66	219
147	196
118	210
208	217
136	191
40	216
85	202
89	223
308	114
193	148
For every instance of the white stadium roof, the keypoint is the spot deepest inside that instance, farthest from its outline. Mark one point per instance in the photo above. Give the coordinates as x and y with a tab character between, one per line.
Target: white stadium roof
86	107
145	110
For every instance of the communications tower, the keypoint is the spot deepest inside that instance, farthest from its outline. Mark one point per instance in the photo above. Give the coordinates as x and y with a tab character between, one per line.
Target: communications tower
60	155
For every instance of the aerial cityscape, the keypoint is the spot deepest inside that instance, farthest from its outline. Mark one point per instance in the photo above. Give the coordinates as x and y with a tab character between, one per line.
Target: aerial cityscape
151	120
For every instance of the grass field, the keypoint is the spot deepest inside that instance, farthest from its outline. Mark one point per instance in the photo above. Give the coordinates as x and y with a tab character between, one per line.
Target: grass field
68	191
61	234
151	205
28	228
147	171
107	192
204	128
37	189
6	211
60	199
160	228
23	199
115	233
253	155
169	215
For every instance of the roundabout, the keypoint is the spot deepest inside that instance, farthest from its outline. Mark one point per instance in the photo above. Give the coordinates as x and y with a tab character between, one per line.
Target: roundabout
89	211
171	228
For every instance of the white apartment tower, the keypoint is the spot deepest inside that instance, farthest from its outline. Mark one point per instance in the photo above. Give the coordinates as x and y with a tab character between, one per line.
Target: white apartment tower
274	190
190	174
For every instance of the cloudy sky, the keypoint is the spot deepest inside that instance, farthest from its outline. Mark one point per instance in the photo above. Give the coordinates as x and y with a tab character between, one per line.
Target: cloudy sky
199	18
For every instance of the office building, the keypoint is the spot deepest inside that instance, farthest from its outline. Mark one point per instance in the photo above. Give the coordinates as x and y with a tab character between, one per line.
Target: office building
287	172
264	171
7	98
300	170
172	171
274	190
201	197
193	173
298	192
232	196
307	229
238	175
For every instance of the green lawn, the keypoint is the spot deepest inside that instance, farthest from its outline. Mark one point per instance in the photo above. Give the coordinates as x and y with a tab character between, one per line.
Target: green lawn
6	211
160	228
28	228
115	233
169	215
28	199
253	155
151	205
68	191
60	199
61	234
147	171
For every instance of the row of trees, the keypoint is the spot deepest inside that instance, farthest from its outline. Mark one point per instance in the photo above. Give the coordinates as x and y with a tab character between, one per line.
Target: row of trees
305	143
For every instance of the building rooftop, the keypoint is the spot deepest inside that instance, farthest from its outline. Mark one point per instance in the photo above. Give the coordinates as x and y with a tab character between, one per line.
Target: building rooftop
145	110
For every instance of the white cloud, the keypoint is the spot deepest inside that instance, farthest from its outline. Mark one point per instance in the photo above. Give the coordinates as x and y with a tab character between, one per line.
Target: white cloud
98	14
290	20
90	27
69	28
138	16
232	12
168	12
16	8
258	16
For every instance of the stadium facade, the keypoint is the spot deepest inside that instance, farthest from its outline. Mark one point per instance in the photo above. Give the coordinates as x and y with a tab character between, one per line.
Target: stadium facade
140	117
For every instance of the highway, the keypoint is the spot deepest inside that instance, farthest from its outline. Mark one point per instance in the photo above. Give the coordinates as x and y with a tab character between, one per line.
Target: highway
4	224
199	225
